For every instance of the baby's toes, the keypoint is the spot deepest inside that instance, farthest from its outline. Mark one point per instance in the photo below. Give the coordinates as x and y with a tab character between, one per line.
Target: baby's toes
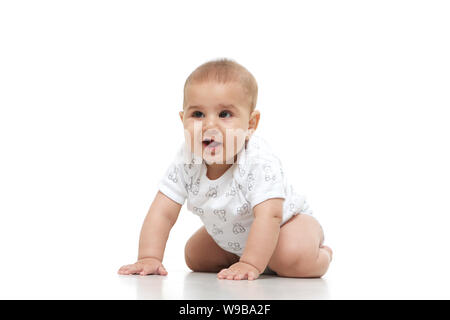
330	252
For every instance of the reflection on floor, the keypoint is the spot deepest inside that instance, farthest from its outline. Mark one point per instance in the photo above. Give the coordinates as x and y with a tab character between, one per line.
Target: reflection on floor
198	285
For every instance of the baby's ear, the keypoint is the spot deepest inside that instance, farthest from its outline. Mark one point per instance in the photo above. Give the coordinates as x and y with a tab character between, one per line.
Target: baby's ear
181	115
253	123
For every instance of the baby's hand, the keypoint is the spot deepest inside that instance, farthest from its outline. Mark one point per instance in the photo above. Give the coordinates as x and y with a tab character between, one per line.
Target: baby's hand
143	267
239	271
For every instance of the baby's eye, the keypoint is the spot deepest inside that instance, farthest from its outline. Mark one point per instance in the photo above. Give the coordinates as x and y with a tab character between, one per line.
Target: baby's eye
197	114
225	114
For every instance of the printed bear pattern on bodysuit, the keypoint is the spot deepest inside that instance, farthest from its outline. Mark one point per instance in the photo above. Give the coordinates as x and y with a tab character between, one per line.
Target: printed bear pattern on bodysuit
221	215
226	208
267	176
193	186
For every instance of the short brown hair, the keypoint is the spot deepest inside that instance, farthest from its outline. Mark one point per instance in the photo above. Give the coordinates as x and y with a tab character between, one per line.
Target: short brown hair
225	70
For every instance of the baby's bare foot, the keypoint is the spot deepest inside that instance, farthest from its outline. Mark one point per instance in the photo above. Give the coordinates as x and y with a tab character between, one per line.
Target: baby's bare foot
328	249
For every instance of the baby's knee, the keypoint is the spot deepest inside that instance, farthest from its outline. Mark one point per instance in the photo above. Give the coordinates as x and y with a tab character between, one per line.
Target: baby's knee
300	262
313	264
304	252
296	254
189	256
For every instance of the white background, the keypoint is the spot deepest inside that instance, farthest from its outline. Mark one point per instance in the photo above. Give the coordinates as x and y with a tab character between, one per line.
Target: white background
354	98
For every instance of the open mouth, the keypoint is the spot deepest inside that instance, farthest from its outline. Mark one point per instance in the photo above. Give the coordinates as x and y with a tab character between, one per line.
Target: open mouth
210	143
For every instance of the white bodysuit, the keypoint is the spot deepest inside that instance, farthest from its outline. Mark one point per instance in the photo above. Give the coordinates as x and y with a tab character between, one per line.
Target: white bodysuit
225	205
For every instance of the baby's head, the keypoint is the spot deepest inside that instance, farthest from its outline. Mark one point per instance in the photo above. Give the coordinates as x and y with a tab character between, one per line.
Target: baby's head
219	106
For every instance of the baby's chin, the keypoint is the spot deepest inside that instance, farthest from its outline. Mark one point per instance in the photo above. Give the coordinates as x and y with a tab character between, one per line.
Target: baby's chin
210	161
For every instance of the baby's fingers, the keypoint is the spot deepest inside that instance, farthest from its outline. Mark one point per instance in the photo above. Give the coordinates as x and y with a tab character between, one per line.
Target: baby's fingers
222	274
251	276
122	270
143	269
130	269
148	269
162	271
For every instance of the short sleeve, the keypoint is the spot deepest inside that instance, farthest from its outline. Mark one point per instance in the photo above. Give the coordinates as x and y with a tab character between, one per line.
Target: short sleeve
172	184
265	181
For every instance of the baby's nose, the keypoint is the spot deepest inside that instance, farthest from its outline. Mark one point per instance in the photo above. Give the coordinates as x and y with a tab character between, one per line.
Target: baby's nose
211	123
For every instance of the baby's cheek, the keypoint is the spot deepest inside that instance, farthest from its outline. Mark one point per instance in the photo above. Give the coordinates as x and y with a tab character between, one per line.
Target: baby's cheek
228	154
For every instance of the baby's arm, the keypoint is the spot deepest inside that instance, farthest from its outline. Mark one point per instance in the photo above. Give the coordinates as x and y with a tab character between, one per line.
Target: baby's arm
161	217
261	242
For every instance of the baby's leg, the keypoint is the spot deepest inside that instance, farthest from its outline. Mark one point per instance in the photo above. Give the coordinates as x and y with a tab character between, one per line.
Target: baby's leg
299	252
204	255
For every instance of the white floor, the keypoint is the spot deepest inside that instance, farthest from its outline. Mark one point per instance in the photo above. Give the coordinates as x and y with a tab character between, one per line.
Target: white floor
204	286
82	281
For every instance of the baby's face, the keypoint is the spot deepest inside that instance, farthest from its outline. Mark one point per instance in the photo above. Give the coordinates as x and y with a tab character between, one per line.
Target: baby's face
219	113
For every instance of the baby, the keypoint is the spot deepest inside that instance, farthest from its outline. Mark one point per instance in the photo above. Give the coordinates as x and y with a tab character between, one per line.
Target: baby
254	222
